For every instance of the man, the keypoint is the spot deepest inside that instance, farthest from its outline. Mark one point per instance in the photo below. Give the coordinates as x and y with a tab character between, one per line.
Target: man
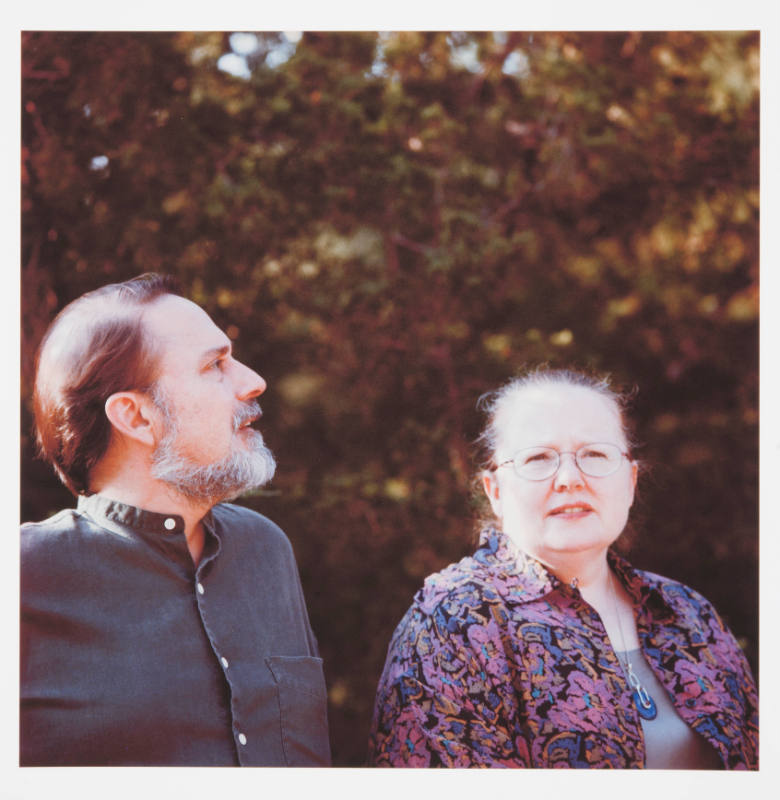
160	625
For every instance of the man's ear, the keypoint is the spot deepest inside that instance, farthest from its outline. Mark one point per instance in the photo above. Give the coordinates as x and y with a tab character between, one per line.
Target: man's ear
130	415
490	485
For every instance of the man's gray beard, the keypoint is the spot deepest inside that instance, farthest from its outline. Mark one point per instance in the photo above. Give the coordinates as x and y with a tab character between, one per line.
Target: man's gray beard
241	470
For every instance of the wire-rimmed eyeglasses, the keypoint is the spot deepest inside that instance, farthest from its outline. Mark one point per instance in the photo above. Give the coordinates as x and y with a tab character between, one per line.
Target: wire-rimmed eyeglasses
539	463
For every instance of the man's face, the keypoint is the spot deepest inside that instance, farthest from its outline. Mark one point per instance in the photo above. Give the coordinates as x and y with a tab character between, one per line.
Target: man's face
206	400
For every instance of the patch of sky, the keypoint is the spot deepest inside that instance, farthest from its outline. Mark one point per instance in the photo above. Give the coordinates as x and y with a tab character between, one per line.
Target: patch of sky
379	65
248	49
234	64
517	64
98	163
464	53
284	50
243	44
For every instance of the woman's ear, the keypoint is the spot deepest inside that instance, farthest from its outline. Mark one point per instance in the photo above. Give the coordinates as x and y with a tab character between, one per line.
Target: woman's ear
634	478
130	416
490	485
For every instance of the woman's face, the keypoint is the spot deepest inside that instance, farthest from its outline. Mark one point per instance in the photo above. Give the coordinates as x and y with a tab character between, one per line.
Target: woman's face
570	513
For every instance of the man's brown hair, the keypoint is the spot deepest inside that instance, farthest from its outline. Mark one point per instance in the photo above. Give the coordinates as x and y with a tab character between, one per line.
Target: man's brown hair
95	346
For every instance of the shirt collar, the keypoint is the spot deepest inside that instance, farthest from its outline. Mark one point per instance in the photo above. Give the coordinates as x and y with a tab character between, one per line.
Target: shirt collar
100	507
103	508
163	532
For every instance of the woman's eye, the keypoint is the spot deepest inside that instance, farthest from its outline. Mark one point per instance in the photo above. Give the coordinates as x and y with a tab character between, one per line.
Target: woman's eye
594	454
536	457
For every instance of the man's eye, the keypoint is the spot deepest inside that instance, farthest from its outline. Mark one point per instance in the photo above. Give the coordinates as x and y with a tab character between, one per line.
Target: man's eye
218	364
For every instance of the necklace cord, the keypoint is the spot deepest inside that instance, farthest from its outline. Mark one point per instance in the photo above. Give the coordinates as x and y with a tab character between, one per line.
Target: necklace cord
642	698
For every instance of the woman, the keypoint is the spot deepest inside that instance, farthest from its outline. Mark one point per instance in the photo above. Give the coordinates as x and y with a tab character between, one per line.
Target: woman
545	648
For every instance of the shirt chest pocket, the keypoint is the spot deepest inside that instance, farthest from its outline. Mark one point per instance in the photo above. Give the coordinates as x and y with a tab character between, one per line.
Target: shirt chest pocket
300	689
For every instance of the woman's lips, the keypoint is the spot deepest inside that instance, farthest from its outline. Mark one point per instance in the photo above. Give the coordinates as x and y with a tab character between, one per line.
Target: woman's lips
571	510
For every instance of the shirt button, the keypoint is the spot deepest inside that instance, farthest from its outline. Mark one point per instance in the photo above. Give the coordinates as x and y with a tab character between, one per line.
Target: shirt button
201	590
170	524
242	738
225	662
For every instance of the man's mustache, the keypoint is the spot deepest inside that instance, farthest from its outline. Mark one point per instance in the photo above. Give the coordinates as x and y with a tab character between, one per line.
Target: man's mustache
246	413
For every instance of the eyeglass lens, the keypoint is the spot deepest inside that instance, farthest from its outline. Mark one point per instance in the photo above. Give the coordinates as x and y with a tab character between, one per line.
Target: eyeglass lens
596	460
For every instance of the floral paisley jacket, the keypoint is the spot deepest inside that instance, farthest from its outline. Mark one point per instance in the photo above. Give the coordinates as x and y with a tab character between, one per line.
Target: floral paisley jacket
499	664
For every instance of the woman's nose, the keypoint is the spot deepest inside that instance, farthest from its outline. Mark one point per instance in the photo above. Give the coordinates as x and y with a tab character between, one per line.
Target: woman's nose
568	475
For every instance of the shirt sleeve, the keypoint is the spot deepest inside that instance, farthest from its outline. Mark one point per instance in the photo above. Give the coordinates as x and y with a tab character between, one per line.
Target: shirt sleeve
438	703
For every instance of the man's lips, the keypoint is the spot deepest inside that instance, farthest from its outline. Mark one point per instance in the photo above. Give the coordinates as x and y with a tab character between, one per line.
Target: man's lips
570	510
246	417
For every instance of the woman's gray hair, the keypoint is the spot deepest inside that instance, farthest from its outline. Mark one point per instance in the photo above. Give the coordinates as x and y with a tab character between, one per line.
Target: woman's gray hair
491	403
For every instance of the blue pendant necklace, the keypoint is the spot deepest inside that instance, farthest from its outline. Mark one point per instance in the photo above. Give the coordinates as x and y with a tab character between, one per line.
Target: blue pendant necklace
645	704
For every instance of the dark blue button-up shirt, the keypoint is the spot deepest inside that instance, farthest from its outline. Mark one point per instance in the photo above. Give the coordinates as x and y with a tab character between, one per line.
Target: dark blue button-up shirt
132	655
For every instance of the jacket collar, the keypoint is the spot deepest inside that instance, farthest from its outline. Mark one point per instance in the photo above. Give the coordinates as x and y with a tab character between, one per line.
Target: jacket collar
528	579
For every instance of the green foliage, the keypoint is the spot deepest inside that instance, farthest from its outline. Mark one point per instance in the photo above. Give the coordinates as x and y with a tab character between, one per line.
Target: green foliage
390	225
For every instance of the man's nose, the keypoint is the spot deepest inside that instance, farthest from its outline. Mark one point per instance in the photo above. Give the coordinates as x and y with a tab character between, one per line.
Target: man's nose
251	384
